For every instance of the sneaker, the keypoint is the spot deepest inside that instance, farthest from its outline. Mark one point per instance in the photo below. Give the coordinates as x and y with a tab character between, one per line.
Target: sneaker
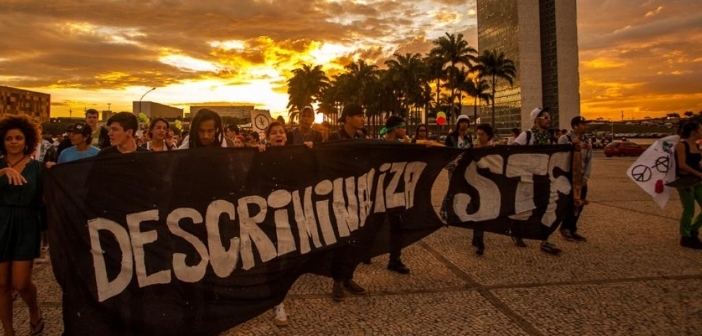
519	241
281	318
549	247
578	237
690	242
566	234
398	266
338	291
354	288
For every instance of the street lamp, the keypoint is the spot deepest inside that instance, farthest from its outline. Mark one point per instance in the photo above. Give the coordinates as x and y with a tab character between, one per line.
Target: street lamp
142	97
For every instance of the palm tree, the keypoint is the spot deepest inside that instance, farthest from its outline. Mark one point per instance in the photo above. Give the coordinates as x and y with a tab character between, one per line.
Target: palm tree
407	74
454	50
478	89
495	66
435	70
305	87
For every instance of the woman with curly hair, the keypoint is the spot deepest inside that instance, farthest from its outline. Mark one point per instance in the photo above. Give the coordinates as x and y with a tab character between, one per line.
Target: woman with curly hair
20	218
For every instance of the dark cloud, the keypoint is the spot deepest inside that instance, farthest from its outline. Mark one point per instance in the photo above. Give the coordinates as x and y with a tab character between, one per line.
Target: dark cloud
634	54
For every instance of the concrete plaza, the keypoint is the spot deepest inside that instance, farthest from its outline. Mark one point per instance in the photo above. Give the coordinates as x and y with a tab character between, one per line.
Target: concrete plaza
630	278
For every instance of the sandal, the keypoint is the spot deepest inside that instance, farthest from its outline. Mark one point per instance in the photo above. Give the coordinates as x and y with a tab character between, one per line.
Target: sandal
37	328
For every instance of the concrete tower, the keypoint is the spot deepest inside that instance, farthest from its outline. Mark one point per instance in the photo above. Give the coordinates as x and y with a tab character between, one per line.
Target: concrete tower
541	37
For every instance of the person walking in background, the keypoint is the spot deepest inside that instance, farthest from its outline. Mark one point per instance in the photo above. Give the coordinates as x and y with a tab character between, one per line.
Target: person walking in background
687	162
514	133
100	137
304	134
21	219
421	134
81	149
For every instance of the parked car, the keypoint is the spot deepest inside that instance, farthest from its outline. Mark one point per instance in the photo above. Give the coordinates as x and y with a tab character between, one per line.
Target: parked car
623	148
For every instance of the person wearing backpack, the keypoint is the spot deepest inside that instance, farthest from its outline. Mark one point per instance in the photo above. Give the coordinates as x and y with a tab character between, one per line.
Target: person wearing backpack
537	135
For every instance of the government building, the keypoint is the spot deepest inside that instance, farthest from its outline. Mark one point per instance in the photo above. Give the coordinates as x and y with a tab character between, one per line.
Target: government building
541	37
15	101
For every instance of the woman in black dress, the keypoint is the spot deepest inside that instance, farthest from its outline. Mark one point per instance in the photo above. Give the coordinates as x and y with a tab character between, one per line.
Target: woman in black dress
20	219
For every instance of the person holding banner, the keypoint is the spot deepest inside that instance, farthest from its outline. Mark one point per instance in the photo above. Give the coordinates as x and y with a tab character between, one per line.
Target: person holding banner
207	131
343	265
157	132
21	219
687	161
569	228
537	135
122	128
459	138
395	130
483	134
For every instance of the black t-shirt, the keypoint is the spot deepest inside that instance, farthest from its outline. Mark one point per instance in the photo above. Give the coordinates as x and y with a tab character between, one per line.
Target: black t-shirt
342	135
112	150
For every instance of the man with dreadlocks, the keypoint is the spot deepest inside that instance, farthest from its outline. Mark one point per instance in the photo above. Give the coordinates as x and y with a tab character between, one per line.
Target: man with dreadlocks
206	131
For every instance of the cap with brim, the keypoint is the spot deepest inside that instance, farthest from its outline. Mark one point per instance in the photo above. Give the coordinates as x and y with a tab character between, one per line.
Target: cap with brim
82	128
536	112
578	120
350	110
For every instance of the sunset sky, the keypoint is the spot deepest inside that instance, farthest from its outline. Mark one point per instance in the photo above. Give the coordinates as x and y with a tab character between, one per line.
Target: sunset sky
642	57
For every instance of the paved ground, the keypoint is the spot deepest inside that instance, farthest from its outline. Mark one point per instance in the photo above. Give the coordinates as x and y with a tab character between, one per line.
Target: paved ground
630	278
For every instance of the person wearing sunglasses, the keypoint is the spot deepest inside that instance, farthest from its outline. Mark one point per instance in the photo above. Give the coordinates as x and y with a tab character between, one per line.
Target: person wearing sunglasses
421	134
537	135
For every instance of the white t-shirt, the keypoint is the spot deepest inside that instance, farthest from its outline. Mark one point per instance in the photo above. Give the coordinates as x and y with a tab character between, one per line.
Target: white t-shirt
522	139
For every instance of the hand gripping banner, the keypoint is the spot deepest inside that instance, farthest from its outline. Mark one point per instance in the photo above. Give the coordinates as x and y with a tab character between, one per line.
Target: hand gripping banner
194	242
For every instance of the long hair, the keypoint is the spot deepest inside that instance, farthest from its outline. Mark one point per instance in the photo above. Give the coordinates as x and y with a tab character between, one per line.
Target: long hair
200	117
29	128
152	125
416	130
689	127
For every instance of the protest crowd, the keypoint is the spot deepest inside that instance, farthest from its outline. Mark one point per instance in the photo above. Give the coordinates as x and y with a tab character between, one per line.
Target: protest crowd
26	155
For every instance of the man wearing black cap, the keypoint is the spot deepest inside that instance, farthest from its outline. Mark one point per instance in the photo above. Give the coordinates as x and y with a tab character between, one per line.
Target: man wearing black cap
343	265
80	139
354	120
569	228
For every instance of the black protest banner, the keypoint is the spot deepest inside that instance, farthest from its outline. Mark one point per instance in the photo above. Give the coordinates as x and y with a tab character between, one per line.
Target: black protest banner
195	242
522	191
